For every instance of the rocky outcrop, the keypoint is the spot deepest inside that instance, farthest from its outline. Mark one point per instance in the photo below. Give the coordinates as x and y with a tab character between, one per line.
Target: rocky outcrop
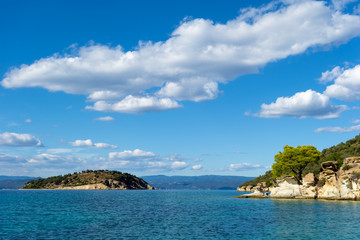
342	184
250	188
288	187
332	183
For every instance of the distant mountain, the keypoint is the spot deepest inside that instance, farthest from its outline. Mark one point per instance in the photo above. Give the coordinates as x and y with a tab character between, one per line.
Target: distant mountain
196	182
14	182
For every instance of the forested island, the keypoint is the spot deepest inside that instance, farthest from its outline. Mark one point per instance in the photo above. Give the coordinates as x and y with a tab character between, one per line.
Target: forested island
304	172
91	180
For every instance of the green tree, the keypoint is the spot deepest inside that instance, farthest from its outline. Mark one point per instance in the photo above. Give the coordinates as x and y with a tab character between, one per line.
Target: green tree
293	161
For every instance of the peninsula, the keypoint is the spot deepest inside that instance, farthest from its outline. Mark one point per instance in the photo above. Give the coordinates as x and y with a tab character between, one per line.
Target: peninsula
91	180
305	173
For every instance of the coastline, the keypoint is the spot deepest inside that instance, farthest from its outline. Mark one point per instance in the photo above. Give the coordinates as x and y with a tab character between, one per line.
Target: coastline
332	183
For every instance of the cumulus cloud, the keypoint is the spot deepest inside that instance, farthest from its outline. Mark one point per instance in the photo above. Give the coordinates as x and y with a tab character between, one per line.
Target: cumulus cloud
339	129
196	167
90	144
302	105
243	166
131	104
19	140
40	164
140	160
198	56
9	159
346	86
136	154
329	76
178	165
58	150
105	119
341	4
54	160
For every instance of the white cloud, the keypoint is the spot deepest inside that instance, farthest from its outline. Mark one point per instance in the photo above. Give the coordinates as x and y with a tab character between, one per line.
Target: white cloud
40	164
339	129
28	120
51	164
243	166
341	4
302	105
90	144
196	167
346	86
58	150
178	165
54	160
104	95
140	160
329	76
174	157
19	140
105	119
131	104
198	56
355	121
9	159
128	154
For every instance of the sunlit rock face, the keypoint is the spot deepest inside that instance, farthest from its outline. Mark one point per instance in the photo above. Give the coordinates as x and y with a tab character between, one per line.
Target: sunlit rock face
332	183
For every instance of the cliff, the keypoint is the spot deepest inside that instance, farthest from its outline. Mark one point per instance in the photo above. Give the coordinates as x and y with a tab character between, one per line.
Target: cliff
335	153
90	180
333	183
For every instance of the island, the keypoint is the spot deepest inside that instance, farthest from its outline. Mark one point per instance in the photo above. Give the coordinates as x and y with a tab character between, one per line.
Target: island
91	180
305	173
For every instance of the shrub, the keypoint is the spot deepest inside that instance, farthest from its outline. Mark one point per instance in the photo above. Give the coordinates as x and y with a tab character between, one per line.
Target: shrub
355	175
347	167
321	182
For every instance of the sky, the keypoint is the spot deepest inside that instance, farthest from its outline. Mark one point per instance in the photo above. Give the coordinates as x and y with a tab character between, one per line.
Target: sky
174	88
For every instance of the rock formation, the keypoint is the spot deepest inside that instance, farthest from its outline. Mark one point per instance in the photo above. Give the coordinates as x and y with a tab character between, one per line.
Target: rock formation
332	183
260	186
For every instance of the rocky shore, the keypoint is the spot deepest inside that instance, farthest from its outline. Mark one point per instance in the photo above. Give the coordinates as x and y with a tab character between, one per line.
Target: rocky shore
331	184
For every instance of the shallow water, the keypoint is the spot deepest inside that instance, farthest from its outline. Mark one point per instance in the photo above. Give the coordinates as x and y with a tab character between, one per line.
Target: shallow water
170	215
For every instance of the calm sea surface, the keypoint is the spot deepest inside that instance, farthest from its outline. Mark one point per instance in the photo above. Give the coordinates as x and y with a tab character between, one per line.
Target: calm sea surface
171	215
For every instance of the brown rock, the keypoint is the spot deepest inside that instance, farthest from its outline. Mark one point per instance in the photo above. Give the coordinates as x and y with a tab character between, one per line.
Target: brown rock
248	188
330	165
309	179
351	160
241	188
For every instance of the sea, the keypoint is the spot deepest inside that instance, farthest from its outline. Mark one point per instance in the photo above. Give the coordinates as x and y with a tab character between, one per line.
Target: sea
170	214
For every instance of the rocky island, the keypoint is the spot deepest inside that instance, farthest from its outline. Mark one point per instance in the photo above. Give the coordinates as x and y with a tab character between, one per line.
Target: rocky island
91	180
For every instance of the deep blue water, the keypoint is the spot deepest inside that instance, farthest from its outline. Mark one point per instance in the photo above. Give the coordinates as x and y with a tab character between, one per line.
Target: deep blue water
171	215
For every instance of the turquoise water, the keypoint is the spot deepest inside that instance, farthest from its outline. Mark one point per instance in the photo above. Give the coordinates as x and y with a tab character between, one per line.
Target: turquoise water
171	215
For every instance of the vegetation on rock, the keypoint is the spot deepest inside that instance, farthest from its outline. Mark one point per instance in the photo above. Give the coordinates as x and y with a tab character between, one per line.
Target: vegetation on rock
267	177
110	179
293	161
335	153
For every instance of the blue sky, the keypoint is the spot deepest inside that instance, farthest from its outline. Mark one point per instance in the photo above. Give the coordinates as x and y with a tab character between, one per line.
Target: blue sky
174	88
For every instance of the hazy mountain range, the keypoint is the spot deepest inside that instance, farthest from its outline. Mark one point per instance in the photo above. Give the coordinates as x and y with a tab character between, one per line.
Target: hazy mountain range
157	181
196	182
14	182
